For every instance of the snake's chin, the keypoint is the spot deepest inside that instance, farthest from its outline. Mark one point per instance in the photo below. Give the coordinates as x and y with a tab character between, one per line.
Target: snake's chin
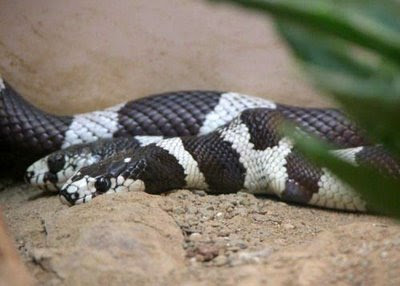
79	191
83	190
79	201
65	201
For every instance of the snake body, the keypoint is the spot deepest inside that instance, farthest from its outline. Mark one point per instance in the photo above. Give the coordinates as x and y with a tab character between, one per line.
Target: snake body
220	142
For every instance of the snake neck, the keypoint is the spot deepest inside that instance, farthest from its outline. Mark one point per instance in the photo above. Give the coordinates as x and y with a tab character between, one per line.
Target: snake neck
23	127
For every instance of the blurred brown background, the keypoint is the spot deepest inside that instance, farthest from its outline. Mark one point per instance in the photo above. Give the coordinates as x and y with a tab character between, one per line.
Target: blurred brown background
71	56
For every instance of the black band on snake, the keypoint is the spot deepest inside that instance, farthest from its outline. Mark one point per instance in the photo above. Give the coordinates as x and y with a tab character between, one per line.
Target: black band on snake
220	142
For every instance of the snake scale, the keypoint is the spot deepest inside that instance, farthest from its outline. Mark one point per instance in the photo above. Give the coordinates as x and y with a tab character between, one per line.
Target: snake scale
220	142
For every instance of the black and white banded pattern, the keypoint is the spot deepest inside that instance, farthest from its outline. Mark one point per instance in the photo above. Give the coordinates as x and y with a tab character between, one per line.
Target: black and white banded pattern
248	154
221	142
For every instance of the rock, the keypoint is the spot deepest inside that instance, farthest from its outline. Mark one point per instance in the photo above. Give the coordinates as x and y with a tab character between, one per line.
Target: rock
137	232
178	210
207	252
248	257
384	254
136	238
200	193
195	236
219	215
288	226
237	244
203	252
220	260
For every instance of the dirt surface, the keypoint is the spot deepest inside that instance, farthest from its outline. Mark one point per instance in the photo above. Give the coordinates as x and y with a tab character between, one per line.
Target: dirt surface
190	238
75	56
110	53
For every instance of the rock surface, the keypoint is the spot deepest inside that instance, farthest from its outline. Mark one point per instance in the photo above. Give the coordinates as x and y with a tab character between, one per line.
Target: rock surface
79	56
190	238
183	238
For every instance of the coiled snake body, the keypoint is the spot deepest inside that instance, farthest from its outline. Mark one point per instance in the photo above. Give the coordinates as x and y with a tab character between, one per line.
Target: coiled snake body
220	142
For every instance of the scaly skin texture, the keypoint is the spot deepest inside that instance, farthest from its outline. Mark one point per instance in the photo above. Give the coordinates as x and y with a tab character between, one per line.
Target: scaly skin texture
26	129
52	171
218	141
249	154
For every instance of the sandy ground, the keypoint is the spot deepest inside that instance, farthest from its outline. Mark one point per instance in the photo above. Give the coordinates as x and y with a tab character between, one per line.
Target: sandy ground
190	238
182	238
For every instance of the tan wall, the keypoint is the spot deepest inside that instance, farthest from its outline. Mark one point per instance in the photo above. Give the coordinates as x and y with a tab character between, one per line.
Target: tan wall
71	56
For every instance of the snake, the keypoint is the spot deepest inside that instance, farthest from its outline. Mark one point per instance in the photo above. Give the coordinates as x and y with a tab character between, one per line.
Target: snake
219	142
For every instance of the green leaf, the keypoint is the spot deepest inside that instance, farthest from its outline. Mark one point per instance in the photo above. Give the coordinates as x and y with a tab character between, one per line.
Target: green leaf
368	93
373	104
351	48
359	22
318	49
382	193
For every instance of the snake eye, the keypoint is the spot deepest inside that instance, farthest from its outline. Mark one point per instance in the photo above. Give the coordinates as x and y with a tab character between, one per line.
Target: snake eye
56	162
102	184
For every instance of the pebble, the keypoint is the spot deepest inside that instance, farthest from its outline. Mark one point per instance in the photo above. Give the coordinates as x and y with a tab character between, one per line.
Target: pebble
235	245
251	257
220	260
191	209
259	217
241	211
224	233
200	193
379	225
283	204
229	230
384	254
288	226
179	210
206	252
195	236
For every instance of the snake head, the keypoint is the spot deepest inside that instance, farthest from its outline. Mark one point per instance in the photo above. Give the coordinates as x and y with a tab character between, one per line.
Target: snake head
51	172
105	177
47	172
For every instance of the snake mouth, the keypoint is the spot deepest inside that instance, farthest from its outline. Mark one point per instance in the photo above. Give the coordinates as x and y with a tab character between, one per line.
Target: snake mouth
79	191
64	199
45	181
67	200
39	175
75	194
86	188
